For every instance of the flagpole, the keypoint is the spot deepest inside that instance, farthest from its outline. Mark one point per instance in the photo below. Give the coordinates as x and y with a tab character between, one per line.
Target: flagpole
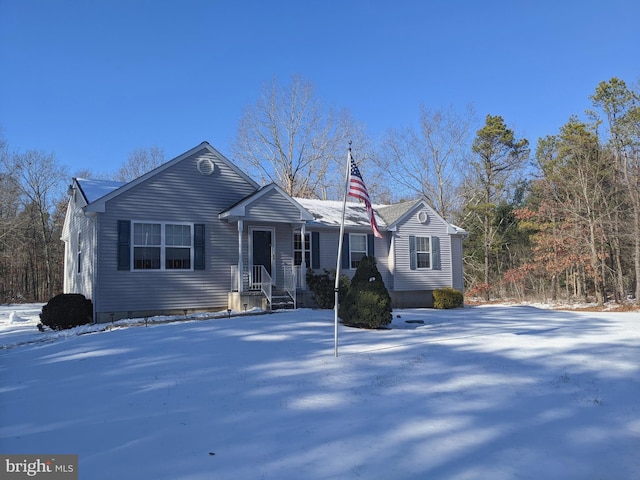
339	261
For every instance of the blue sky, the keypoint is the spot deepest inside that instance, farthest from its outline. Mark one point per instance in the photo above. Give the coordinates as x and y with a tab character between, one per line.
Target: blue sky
93	80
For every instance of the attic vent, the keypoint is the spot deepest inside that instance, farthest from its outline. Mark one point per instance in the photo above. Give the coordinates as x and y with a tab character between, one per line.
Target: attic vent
423	217
206	166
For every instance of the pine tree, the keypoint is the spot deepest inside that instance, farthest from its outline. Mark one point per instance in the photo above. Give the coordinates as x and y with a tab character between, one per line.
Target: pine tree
367	303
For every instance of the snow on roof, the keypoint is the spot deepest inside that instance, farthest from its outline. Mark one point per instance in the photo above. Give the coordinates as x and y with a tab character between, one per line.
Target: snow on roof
459	230
95	189
329	212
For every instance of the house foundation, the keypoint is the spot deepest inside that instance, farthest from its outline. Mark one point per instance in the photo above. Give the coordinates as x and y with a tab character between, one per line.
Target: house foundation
243	301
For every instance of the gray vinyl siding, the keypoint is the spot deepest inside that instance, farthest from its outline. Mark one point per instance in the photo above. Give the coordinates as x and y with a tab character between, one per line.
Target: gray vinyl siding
177	194
76	222
272	206
383	260
421	279
328	245
284	250
329	240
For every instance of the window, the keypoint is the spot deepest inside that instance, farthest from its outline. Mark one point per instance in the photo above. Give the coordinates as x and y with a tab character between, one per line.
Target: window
297	249
158	246
423	252
357	249
178	247
79	253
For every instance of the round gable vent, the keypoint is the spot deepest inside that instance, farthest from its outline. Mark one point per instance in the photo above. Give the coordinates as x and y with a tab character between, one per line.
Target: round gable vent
206	166
423	217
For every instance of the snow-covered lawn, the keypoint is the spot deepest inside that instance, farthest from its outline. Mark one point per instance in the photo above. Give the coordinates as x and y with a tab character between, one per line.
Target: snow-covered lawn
492	392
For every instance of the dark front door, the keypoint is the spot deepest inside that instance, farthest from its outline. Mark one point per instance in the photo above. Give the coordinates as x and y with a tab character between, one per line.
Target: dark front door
262	249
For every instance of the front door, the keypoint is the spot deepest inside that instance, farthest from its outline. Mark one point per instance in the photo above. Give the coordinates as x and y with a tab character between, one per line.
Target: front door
262	245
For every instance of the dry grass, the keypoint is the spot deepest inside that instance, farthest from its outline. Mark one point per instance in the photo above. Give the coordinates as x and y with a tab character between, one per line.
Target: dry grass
608	307
568	306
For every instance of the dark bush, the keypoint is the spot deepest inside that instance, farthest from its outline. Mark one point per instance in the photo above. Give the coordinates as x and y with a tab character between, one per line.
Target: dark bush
367	303
67	310
322	287
447	297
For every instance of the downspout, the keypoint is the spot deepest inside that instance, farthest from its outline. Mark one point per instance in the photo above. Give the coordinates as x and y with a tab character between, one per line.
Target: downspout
451	266
94	287
240	263
65	281
93	219
303	264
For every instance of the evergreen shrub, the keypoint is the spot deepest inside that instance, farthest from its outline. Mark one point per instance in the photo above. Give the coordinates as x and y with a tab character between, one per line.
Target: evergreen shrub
367	303
67	310
322	287
447	297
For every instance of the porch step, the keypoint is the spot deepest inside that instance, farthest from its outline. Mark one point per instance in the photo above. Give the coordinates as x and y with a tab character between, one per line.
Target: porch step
281	301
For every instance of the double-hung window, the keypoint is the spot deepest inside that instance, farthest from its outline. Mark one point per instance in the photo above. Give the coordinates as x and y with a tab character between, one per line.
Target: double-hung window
357	249
162	246
297	248
178	247
424	253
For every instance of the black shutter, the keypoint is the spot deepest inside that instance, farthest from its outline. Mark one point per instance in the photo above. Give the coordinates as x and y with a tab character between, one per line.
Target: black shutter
435	248
198	246
413	260
124	245
371	250
345	251
315	250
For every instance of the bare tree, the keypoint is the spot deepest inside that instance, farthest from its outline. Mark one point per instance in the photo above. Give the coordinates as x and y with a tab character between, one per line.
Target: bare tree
41	181
430	161
287	137
139	162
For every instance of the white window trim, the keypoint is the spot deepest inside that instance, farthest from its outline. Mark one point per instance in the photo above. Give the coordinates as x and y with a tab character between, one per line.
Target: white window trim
163	246
307	251
366	247
430	267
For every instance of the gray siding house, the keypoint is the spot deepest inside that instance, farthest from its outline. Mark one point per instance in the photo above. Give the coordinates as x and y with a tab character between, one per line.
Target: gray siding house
197	234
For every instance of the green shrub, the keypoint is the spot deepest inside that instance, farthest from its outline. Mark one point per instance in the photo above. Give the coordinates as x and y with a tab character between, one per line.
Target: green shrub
447	297
322	286
367	303
67	310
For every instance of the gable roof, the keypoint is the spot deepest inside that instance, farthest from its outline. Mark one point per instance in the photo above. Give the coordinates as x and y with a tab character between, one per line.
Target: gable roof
399	212
238	209
98	205
92	189
392	213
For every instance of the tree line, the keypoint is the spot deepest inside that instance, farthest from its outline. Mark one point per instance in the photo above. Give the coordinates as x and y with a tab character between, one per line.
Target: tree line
33	203
558	220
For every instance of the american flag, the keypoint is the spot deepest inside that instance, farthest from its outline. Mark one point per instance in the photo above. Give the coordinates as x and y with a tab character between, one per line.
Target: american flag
358	189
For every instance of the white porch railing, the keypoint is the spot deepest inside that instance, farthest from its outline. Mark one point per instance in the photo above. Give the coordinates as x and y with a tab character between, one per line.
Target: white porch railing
257	278
254	279
261	280
291	279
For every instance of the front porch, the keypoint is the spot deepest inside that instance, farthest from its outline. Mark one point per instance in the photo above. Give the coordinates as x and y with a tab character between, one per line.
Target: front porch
255	288
273	250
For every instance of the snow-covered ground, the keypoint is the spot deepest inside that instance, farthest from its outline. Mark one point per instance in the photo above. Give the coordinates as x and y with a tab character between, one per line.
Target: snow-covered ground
487	392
